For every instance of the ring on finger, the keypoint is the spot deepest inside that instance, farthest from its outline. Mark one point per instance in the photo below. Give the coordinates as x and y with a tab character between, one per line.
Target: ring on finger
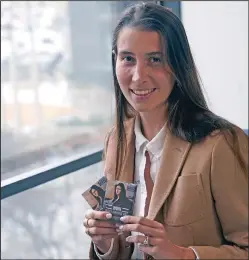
85	222
146	241
87	225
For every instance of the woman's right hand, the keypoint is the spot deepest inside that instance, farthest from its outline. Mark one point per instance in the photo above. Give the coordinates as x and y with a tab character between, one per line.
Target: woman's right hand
100	229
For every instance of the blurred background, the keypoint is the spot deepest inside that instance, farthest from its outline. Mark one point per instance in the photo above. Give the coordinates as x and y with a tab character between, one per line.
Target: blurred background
57	101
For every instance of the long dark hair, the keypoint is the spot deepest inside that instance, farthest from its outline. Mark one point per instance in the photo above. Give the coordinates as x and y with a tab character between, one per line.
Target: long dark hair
100	191
122	193
189	117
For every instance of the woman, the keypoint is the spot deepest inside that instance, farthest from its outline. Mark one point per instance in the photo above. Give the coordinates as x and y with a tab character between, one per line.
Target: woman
120	199
198	162
99	195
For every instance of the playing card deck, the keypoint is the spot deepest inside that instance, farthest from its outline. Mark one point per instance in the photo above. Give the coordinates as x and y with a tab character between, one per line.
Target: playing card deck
115	197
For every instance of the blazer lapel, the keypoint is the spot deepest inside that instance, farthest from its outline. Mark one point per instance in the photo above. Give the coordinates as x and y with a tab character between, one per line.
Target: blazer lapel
174	154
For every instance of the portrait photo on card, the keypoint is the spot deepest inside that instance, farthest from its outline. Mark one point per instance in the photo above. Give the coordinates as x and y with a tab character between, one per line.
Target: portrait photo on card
119	199
96	193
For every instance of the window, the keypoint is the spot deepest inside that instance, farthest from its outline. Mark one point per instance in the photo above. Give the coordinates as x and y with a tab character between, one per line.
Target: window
54	69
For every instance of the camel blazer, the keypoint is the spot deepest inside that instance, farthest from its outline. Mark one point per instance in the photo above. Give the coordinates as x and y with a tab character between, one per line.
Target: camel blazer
200	194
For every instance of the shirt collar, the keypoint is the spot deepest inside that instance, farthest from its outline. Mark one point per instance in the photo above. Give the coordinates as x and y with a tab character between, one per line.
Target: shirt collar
154	146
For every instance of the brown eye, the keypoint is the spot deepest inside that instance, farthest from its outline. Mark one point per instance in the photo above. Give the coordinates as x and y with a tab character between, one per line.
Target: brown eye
128	59
155	60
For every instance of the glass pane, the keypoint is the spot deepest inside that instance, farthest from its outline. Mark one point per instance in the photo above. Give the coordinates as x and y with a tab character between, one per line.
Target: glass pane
56	80
46	222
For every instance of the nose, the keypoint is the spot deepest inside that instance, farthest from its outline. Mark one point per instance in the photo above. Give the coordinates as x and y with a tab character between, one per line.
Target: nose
139	73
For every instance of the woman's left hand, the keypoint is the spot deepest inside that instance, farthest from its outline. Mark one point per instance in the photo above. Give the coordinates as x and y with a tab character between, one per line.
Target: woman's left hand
159	245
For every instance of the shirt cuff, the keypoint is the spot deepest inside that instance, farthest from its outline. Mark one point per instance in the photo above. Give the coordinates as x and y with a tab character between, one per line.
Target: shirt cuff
196	255
101	256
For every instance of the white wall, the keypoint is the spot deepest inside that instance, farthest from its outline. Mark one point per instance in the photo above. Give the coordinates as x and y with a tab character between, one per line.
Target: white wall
218	36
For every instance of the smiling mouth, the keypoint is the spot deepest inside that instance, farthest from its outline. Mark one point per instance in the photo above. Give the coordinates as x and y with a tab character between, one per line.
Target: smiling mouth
142	93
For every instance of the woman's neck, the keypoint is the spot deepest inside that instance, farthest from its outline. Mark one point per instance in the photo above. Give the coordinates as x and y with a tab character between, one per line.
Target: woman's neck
152	122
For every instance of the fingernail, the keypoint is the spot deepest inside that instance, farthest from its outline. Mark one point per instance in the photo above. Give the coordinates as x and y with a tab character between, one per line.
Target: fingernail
108	215
122	218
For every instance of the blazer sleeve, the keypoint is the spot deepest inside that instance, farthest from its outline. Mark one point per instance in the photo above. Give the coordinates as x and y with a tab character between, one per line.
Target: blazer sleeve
229	184
119	250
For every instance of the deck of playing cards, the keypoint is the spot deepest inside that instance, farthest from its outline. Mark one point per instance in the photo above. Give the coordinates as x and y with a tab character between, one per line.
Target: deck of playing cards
115	197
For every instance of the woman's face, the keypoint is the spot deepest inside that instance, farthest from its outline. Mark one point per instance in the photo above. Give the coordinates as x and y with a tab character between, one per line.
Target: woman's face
95	193
144	79
118	190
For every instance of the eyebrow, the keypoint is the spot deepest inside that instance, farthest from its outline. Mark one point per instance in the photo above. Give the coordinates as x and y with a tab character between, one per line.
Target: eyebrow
147	54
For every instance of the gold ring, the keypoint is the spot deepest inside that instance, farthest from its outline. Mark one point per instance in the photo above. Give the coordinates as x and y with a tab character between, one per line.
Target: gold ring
87	225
